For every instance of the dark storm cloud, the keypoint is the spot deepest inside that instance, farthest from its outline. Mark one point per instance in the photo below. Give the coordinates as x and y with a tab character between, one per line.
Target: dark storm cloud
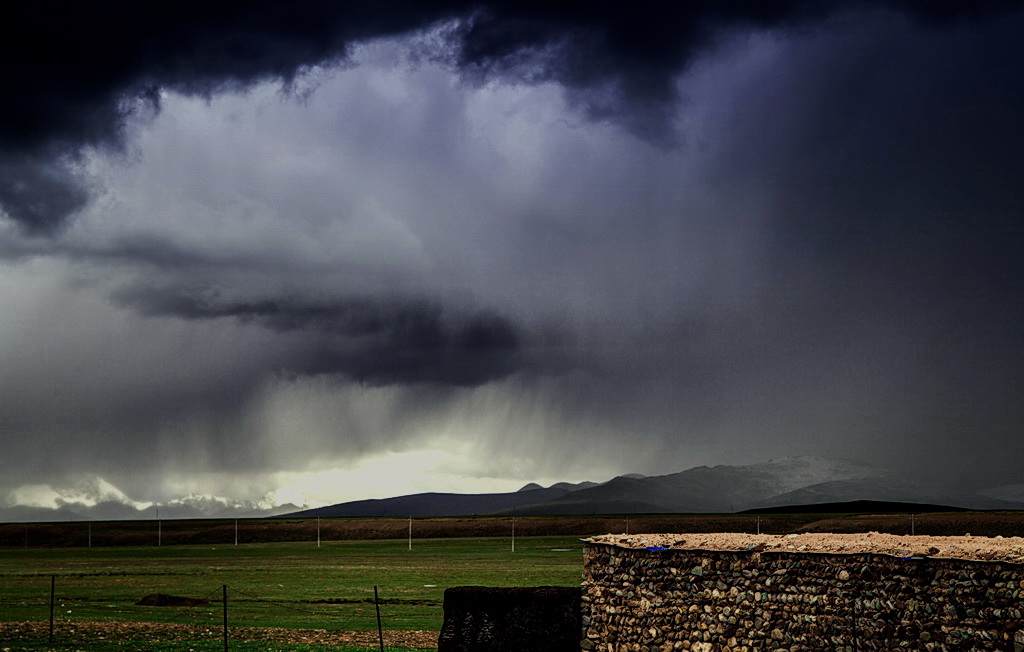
840	273
39	190
73	72
374	341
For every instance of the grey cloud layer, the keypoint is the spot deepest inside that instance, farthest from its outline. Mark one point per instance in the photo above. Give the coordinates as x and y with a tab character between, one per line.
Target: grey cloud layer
367	340
74	73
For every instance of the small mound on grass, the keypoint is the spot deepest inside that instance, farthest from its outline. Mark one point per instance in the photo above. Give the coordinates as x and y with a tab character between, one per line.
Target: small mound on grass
164	600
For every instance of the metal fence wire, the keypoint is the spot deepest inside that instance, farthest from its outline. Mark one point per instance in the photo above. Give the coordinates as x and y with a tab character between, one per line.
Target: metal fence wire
224	615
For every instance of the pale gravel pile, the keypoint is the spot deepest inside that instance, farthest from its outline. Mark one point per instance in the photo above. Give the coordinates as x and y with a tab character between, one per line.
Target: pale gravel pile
959	547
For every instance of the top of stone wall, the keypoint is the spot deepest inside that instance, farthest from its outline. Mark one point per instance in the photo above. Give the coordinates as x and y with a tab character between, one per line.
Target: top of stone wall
960	547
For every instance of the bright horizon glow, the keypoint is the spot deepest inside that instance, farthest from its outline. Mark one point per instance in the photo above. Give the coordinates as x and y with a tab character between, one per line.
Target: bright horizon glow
381	476
386	476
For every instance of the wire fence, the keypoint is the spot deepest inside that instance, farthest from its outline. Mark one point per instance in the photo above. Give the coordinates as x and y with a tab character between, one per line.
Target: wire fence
241	531
221	615
278	590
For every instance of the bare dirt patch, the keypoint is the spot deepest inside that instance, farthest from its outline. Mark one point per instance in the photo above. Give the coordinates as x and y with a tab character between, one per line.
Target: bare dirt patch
949	547
164	600
86	631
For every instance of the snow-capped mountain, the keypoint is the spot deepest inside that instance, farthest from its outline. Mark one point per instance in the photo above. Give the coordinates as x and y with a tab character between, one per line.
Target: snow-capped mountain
97	499
205	504
90	492
218	506
779	482
791	473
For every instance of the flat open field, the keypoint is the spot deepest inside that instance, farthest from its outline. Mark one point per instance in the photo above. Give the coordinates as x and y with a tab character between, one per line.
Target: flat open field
245	531
223	531
286	593
284	585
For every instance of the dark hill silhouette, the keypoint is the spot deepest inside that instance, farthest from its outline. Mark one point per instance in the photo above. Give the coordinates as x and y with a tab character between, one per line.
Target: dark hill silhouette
779	483
715	489
433	504
856	507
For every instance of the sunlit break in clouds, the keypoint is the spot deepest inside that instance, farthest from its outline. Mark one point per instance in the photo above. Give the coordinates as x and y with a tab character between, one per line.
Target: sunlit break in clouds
317	252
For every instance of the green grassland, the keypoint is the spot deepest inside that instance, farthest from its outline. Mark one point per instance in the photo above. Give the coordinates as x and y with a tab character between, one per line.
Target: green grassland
289	585
280	578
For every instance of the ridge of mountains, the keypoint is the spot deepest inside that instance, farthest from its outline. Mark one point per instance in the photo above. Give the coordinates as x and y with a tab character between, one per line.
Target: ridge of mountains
702	489
788	481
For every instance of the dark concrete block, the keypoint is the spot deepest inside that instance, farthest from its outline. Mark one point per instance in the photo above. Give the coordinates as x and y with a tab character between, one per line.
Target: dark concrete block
512	619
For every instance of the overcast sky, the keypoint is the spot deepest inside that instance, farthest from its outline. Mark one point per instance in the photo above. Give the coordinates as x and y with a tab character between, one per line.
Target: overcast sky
367	249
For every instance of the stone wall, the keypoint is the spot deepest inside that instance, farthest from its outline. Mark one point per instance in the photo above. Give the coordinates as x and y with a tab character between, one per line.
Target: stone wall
638	600
511	619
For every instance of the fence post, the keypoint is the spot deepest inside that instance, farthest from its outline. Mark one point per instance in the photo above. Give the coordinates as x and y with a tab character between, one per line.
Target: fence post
53	582
224	589
380	630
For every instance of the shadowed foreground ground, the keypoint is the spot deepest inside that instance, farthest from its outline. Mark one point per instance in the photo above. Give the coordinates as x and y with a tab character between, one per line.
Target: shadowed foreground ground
91	632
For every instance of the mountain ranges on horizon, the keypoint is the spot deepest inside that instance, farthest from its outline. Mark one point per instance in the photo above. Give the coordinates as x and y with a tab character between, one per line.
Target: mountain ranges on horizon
719	489
803	480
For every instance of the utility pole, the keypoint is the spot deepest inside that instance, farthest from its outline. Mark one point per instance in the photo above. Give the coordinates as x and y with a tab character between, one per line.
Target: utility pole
53	582
410	533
